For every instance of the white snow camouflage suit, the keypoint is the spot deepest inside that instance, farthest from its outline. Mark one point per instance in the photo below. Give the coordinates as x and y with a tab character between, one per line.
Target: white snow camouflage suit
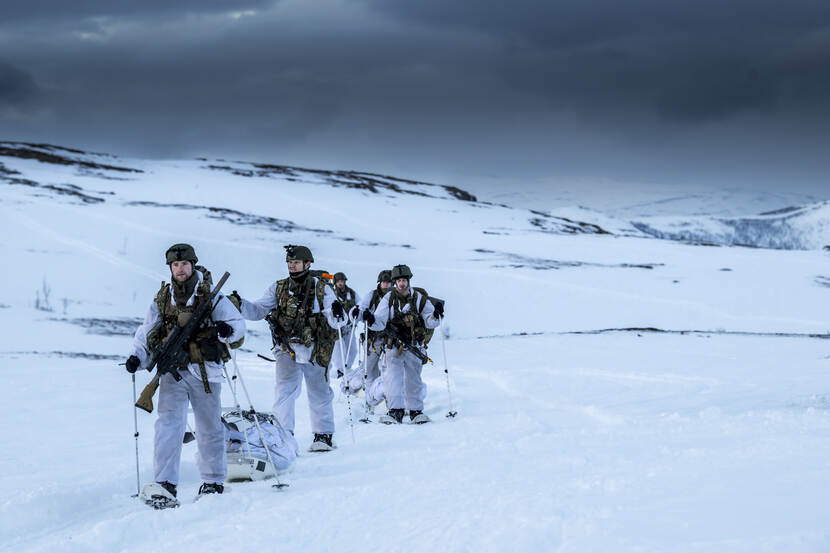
402	382
291	371
174	396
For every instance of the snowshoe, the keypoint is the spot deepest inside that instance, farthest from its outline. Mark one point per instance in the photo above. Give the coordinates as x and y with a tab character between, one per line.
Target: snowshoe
159	495
393	416
322	442
418	417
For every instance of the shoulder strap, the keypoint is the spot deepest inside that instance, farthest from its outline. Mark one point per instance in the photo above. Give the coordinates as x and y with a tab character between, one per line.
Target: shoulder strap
423	301
163	298
282	285
320	289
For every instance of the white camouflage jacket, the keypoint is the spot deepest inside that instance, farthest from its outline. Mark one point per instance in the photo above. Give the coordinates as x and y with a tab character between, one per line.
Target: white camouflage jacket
257	310
383	312
223	310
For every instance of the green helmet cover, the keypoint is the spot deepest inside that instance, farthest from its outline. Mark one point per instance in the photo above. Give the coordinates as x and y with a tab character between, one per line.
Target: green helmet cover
298	252
401	271
339	276
385	276
181	252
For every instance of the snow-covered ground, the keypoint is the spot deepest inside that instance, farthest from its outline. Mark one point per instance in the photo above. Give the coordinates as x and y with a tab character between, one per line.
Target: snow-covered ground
616	392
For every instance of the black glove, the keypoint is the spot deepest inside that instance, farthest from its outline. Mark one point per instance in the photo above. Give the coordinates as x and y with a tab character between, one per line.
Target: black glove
369	317
439	310
355	312
223	329
132	364
337	309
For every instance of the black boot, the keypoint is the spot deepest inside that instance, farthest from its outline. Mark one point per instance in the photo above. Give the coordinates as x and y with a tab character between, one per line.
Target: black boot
322	442
211	487
169	487
396	414
418	417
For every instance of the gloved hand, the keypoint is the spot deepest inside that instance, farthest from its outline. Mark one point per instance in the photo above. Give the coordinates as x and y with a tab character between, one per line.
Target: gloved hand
439	310
132	364
337	309
223	329
355	312
369	317
237	299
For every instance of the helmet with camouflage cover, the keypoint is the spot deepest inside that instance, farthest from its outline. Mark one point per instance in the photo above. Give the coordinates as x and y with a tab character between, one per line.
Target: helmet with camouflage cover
340	276
298	252
401	271
385	276
181	252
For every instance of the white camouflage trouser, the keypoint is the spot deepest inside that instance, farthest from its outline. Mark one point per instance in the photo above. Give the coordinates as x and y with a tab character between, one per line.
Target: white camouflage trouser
172	424
355	377
402	384
289	384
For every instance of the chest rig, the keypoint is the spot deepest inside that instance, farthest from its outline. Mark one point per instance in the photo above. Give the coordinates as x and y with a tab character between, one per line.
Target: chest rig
407	325
296	321
204	346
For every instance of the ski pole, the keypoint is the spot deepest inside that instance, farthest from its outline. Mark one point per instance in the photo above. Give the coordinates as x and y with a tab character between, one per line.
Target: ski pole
452	413
348	392
279	485
367	408
236	402
135	426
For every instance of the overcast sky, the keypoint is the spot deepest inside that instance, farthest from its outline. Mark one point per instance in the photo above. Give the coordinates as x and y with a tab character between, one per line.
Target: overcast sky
675	92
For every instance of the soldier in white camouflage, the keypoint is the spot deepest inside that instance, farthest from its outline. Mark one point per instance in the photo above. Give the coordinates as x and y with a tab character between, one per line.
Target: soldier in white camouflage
201	379
304	315
408	315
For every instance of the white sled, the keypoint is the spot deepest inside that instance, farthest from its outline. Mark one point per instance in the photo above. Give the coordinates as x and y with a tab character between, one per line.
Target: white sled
247	458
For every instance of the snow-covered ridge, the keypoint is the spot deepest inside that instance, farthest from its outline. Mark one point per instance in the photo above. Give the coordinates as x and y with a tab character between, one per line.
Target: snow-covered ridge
791	228
79	176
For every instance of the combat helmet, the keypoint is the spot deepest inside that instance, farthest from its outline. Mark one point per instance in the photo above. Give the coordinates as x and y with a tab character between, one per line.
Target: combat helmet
181	252
298	252
401	271
385	276
340	276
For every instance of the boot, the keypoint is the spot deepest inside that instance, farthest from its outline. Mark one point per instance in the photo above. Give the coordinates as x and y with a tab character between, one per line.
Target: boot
392	416
418	417
322	442
210	487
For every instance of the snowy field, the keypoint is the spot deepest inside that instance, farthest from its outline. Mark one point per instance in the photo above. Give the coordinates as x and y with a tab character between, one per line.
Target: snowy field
615	392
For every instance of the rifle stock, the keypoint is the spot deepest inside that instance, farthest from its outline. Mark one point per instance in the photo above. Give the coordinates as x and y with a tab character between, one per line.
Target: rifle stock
145	400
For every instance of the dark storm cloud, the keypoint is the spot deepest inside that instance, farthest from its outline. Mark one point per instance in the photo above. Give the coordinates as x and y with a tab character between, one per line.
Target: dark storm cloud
638	89
686	60
16	87
15	11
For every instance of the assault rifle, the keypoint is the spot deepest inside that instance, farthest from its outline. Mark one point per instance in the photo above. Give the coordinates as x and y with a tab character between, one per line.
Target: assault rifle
278	336
173	352
392	336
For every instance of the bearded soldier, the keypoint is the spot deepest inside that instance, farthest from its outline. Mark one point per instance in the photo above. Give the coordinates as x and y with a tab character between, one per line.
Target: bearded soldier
408	315
201	376
304	315
349	299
